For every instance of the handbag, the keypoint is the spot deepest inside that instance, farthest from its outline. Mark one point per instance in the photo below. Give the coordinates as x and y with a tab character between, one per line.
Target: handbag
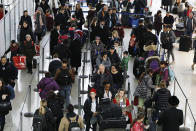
5	106
19	62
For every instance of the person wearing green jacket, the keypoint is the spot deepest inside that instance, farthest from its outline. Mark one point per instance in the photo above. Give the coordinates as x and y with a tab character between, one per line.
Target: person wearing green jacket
125	61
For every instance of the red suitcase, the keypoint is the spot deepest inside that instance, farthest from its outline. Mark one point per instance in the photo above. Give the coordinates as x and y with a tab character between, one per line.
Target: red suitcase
19	62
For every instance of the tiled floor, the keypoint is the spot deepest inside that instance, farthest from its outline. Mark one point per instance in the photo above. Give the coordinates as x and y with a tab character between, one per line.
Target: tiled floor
182	68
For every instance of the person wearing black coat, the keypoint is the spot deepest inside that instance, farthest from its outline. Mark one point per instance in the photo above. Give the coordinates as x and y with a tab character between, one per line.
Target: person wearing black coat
14	49
26	18
139	4
55	102
4	97
117	78
158	22
28	50
100	77
62	50
102	32
54	64
172	118
8	72
75	50
139	33
79	16
91	108
55	33
44	5
25	29
109	19
114	57
61	18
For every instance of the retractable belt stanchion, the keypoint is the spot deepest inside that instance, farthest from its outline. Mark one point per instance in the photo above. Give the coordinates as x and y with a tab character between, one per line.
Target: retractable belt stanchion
29	113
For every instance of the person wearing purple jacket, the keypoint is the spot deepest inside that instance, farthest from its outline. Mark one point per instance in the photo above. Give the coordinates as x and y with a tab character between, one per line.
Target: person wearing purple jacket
46	85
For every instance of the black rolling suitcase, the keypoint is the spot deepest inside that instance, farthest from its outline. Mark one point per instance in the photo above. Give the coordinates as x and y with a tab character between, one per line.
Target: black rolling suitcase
112	123
185	43
138	67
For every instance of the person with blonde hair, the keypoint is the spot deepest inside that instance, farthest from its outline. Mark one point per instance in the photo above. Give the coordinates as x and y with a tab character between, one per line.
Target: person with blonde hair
115	37
123	102
43	119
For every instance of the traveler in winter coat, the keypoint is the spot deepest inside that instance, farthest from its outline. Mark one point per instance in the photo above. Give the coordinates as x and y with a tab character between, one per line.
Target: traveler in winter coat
137	124
125	61
108	91
163	73
172	118
94	28
4	97
103	32
14	49
161	98
75	51
54	65
55	102
40	23
103	59
45	114
143	90
79	16
158	22
71	116
44	5
139	4
47	84
26	18
64	77
61	18
123	102
109	19
91	15
101	14
55	33
96	49
190	25
113	56
117	78
25	29
173	39
62	50
28	50
49	21
149	36
8	72
100	77
91	109
115	37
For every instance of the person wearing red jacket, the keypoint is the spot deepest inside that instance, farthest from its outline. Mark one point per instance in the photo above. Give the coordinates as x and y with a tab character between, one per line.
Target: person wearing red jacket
123	102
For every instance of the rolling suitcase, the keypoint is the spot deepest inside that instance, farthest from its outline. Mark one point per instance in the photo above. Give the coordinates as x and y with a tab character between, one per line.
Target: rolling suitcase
185	43
19	62
138	67
119	122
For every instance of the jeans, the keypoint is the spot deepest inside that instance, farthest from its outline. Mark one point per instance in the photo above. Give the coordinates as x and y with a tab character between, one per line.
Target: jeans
88	126
2	122
65	91
170	52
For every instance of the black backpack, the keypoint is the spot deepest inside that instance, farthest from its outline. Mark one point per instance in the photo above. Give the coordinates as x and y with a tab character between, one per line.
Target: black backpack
73	124
39	121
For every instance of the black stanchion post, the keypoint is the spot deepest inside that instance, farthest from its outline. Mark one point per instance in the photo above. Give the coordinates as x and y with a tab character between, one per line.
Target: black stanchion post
36	89
29	113
185	111
195	126
174	87
21	122
128	93
43	59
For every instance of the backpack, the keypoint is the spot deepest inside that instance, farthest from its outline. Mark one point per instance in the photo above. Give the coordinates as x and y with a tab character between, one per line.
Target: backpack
12	92
39	121
73	124
171	74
